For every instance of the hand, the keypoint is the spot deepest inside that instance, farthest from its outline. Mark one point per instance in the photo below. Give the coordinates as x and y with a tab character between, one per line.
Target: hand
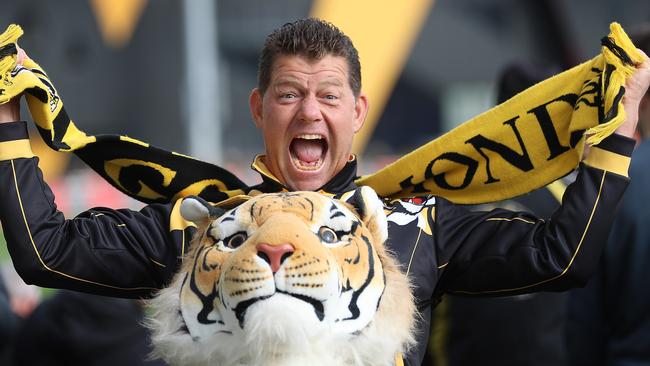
10	111
635	88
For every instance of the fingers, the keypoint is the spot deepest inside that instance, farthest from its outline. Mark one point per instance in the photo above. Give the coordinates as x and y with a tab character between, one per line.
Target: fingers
636	87
21	56
644	64
643	69
644	56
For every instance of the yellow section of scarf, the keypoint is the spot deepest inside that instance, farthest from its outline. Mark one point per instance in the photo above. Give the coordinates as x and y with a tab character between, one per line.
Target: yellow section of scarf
524	143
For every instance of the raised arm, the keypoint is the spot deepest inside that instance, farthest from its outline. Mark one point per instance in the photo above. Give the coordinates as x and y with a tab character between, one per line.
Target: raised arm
112	252
504	253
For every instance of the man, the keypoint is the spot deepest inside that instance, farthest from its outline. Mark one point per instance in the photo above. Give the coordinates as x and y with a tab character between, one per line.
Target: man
609	320
308	105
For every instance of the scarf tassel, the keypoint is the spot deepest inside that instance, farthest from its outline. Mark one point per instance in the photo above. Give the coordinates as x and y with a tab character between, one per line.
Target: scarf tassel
8	41
621	56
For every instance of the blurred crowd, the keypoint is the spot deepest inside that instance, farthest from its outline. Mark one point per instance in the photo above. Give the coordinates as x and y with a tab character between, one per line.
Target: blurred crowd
69	328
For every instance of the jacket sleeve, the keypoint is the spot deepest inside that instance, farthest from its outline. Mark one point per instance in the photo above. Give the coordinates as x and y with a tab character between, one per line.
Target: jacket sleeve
121	253
500	252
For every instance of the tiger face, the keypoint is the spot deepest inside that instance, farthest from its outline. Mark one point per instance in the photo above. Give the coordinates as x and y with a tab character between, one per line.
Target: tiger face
282	277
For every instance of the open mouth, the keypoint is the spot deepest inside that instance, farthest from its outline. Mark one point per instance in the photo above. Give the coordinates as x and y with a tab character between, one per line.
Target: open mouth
308	151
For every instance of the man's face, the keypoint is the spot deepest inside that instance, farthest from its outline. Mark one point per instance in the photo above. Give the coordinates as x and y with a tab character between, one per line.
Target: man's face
308	116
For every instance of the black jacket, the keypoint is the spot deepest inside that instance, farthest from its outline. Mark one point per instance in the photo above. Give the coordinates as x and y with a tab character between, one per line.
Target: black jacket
443	247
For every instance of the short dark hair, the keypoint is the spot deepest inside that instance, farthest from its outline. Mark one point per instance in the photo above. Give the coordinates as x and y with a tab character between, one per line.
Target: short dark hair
311	38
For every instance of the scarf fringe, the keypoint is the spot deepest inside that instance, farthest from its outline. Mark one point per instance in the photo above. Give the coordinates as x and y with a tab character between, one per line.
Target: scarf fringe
618	51
8	61
11	35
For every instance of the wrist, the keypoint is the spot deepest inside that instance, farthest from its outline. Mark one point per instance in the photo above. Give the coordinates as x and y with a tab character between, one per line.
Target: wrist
10	112
628	128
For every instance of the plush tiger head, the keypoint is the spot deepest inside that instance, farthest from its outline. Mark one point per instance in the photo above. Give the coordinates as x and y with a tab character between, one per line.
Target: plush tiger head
286	279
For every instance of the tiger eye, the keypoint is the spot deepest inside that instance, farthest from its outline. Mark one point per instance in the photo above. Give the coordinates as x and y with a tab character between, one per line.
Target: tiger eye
327	235
236	240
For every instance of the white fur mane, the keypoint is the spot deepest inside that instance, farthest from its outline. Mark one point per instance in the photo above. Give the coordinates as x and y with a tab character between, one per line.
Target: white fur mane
283	329
378	344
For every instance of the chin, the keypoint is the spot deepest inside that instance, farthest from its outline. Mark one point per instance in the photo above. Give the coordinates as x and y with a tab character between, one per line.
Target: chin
306	185
307	180
270	327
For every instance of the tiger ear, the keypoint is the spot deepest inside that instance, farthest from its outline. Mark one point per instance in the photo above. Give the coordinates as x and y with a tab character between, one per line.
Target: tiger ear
197	210
371	211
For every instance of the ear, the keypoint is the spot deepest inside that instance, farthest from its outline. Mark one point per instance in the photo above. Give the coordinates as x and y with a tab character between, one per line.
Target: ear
255	105
197	210
360	111
371	211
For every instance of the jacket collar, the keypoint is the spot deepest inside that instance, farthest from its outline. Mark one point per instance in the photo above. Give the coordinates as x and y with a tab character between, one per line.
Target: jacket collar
343	181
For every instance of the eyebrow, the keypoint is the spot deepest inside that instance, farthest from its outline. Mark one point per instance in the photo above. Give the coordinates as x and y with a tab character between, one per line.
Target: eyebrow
332	82
288	81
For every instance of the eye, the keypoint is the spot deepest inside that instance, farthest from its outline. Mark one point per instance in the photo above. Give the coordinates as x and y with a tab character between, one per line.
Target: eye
288	96
331	99
235	240
327	235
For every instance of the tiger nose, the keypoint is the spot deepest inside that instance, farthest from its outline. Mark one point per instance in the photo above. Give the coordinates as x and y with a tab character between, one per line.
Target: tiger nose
274	254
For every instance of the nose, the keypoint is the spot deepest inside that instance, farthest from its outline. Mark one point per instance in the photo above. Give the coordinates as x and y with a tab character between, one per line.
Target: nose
274	254
310	109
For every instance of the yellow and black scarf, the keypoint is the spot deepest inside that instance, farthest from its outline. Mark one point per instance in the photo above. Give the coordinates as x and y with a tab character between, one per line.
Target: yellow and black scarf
523	144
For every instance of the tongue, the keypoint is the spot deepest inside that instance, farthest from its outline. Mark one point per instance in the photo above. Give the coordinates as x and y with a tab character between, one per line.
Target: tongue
308	151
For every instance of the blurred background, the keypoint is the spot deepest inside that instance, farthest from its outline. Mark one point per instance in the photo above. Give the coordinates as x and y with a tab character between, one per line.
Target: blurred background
178	73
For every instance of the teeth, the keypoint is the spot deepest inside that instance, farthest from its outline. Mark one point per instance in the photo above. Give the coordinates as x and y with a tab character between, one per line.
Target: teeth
310	137
307	166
